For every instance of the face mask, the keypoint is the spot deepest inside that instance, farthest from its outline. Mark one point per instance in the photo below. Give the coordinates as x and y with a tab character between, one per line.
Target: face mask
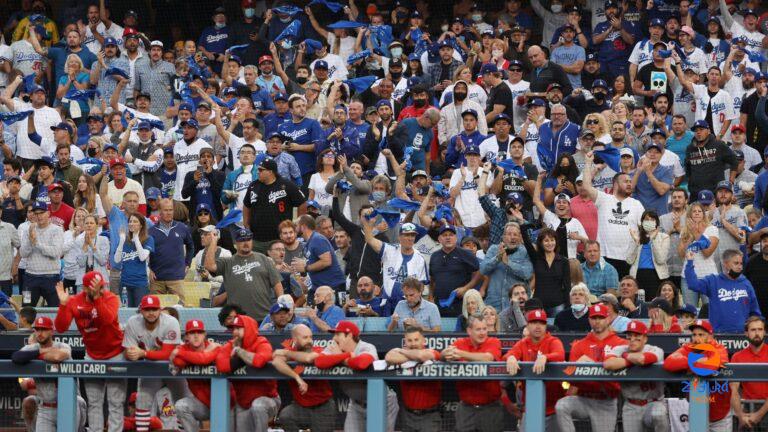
92	152
578	308
379	196
444	28
420	103
286	43
556	8
497	53
599	96
734	274
459	96
301	80
220	25
401	15
396	52
477	18
649	225
145	142
396	75
249	12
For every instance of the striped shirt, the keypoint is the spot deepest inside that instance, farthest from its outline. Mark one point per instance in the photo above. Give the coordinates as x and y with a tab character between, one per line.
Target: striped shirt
43	256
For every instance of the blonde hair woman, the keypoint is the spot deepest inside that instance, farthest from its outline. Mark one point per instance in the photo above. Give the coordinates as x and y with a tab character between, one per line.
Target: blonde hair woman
697	224
599	126
662	317
74	79
472	304
491	318
618	112
475	92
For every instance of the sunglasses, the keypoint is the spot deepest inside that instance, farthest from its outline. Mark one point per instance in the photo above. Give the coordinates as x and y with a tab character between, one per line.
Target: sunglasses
515	70
329	156
203	213
593	122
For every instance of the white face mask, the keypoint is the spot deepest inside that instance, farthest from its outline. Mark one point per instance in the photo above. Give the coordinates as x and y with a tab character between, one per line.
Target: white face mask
556	8
649	225
396	52
249	12
497	53
444	28
477	18
578	307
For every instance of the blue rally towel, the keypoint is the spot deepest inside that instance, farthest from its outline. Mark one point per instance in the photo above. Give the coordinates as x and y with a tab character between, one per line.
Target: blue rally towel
292	31
391	217
700	244
443	211
361	84
343	185
237	47
232	217
510	166
611	156
344	24
287	10
407	156
665	53
29	82
381	37
77	95
441	190
546	158
358	56
404	205
449	301
333	6
755	56
221	103
9	118
116	71
312	45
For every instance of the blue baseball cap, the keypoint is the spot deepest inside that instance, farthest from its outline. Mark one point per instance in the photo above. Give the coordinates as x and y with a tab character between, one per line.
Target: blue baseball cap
109	146
39	205
36	88
609	4
167	150
202	206
700	124
144	125
502	116
313	203
45	160
63	126
153	193
383	102
515	63
706	197
236	59
243	234
724	184
658	131
591	57
515	198
110	41
752	12
413	81
488	68
277	307
276	135
472	149
445	43
687	308
445	228
320	64
187	107
537	102
191	123
469	111
599	83
656	22
413	57
96	117
229	91
280	96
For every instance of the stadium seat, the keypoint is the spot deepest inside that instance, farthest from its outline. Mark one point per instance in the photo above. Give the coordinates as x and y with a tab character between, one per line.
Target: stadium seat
376	324
194	291
17	298
167	300
447	324
209	317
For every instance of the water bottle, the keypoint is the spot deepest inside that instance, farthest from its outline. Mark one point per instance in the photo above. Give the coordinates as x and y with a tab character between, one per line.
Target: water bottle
641	296
124	296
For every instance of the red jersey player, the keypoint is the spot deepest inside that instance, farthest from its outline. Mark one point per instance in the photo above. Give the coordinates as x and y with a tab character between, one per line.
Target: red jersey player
756	352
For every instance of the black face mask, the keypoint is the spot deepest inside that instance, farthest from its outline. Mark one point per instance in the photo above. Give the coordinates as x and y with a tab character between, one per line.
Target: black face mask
423	190
92	152
734	274
301	80
459	96
420	103
396	75
599	96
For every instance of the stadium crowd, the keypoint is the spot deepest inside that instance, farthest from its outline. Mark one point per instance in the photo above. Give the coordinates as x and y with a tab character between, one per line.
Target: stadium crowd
601	165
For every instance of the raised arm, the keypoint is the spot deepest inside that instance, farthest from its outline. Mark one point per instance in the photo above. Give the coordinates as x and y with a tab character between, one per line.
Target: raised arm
372	241
588	173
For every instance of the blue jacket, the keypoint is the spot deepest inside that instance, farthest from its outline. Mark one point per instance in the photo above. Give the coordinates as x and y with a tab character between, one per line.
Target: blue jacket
455	158
731	301
502	276
167	261
564	140
761	185
229	184
348	144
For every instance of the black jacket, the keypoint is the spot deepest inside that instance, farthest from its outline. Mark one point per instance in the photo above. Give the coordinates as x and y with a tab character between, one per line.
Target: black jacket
704	165
216	178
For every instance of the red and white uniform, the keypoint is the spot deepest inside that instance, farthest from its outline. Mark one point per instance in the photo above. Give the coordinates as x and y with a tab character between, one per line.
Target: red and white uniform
96	321
526	350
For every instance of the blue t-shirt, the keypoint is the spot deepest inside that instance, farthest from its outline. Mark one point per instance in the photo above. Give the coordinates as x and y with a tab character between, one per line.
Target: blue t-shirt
167	182
331	276
362	132
614	52
81	78
646	258
215	40
262	100
647	195
330	316
381	306
419	138
678	146
273	120
567	56
307	131
59	57
134	273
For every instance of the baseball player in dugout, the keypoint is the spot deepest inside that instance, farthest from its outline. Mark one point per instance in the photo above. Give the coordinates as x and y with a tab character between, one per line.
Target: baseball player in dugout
257	401
348	350
95	311
596	400
644	406
313	405
196	350
720	417
152	335
421	399
541	348
43	347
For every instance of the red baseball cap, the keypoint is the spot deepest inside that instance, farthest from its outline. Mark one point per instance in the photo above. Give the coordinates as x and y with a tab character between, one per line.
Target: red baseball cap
536	315
703	324
346	327
738	127
638	327
130	32
194	326
247	4
266	57
149	302
238	322
598	310
43	322
53	186
117	161
92	276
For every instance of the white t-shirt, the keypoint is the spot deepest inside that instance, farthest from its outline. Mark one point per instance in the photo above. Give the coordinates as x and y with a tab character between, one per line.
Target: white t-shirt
392	263
722	107
337	68
346	46
116	195
614	220
468	202
45	117
672	160
187	160
532	143
317	184
684	102
698	59
475	93
518	110
241	185
236	142
93	44
642	53
573	226
706	266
